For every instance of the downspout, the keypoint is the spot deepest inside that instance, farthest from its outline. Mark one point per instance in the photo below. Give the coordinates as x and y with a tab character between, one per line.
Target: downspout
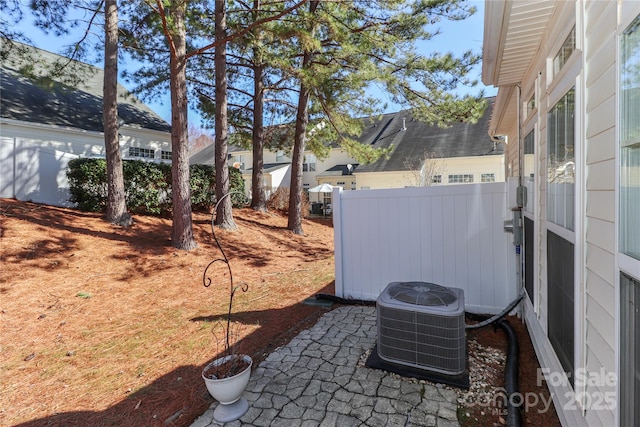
521	195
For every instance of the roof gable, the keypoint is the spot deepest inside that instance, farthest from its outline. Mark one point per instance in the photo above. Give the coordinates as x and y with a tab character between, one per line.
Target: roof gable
412	138
29	95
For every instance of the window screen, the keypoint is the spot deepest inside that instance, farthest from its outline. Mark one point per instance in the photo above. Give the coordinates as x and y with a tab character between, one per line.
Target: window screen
561	162
630	141
629	351
560	282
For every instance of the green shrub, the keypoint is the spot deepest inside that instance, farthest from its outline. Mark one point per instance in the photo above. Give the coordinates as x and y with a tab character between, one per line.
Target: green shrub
202	180
147	186
88	184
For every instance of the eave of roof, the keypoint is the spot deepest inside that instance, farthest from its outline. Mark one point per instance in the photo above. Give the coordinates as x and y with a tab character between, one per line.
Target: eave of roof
513	33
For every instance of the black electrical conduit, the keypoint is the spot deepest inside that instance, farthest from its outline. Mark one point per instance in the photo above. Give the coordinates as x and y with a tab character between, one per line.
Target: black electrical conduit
514	417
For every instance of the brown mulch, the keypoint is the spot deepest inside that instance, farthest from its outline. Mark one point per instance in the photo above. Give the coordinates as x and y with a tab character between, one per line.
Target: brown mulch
106	326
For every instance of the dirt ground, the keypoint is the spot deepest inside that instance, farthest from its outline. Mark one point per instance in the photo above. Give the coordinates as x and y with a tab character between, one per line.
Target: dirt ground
106	326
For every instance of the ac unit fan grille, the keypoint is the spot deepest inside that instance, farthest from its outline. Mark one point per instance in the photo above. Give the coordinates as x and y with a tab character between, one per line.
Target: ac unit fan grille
428	341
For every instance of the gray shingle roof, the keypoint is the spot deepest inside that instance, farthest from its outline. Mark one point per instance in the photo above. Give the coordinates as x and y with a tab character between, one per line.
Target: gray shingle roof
34	97
206	156
459	140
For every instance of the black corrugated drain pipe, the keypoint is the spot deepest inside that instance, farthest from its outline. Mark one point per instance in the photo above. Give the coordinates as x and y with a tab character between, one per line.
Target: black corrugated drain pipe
514	398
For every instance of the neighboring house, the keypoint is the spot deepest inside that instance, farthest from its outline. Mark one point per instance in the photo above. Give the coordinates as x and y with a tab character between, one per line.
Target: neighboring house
462	153
568	102
45	122
277	166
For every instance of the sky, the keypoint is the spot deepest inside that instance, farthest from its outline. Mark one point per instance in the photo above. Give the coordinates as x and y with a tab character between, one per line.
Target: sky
455	37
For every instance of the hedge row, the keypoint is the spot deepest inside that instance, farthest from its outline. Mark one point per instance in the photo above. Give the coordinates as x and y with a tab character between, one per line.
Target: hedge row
147	186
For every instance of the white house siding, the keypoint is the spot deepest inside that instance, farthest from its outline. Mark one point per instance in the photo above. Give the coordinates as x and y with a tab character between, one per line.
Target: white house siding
143	138
280	177
596	136
34	157
7	167
377	180
476	165
600	40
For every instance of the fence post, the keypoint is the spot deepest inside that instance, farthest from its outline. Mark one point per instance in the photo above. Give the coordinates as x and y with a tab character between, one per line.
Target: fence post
336	200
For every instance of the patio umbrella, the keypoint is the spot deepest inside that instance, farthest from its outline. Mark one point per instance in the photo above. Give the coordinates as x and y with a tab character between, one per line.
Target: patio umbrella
322	188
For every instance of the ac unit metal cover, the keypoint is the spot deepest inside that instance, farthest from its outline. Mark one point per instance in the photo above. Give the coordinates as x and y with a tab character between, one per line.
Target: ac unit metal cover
422	325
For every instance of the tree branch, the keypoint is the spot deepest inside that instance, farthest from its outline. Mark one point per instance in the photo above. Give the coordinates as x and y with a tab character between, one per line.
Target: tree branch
245	30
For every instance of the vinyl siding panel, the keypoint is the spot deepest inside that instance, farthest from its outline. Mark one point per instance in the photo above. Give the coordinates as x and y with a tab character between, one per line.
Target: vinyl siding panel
601	176
601	291
601	147
600	330
601	417
600	48
601	234
600	204
601	88
600	266
600	262
602	117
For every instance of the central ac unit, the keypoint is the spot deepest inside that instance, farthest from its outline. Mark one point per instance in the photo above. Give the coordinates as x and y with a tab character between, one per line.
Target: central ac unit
422	325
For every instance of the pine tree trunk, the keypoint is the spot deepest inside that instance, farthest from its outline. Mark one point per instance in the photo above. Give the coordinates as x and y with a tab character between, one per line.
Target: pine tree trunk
182	230
258	197
299	144
116	202
224	215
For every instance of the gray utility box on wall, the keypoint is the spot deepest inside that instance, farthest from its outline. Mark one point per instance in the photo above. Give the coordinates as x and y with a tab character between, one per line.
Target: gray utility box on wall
422	325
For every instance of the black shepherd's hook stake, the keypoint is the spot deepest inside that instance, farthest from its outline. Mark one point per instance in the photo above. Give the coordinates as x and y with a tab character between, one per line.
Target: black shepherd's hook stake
206	281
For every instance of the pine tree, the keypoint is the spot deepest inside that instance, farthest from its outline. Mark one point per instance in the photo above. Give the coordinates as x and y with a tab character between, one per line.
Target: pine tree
116	202
335	50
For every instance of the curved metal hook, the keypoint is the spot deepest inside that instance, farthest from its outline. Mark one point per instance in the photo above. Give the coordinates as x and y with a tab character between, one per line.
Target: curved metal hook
206	281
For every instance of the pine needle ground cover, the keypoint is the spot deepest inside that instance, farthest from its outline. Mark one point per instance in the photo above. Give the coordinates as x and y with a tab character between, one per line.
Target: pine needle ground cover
106	326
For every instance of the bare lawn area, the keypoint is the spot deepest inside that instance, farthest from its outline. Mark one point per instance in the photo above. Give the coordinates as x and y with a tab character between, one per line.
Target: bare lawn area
105	326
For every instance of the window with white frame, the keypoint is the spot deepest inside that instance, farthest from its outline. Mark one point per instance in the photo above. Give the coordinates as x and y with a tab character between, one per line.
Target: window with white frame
460	178
436	179
145	153
630	141
629	350
309	163
565	52
280	156
531	105
488	177
629	224
561	162
166	155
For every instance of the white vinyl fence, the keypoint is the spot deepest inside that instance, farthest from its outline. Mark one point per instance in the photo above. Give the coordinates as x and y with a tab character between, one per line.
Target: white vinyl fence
448	235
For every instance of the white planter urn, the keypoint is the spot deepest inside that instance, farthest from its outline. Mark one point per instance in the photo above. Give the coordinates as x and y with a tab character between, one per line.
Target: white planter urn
228	391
